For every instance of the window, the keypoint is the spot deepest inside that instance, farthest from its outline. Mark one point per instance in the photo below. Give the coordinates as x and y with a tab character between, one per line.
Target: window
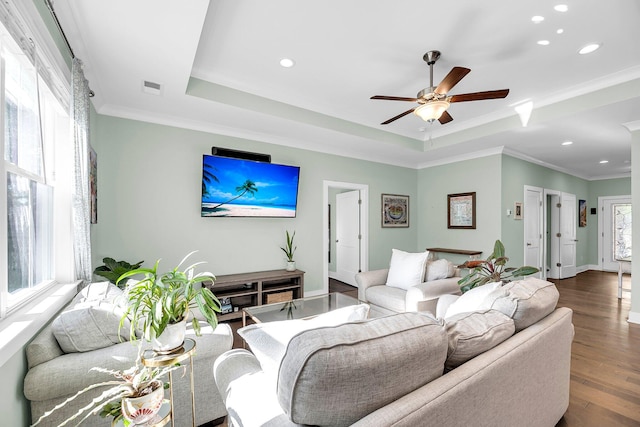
35	127
621	230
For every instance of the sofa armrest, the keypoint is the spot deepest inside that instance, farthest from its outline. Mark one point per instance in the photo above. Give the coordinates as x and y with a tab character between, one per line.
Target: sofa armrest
367	279
249	394
424	297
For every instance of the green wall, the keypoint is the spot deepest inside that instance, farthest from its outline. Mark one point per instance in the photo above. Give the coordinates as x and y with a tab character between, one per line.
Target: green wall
481	175
149	202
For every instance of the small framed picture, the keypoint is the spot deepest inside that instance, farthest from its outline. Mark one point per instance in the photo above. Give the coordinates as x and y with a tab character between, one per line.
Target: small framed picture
582	213
461	210
395	211
517	211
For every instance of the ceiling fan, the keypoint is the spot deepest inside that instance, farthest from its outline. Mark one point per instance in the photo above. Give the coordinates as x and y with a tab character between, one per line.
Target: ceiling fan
434	101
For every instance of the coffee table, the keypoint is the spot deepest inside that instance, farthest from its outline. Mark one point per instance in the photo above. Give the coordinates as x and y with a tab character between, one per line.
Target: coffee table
303	308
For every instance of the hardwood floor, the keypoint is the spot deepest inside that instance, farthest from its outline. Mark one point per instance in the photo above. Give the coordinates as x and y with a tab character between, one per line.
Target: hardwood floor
605	356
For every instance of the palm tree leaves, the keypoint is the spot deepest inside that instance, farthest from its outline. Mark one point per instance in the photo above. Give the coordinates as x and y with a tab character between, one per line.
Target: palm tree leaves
248	187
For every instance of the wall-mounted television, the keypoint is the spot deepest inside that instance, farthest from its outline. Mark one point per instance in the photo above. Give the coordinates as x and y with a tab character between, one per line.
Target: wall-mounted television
244	188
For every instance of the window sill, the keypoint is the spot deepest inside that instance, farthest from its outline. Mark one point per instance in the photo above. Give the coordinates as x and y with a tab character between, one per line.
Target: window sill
20	327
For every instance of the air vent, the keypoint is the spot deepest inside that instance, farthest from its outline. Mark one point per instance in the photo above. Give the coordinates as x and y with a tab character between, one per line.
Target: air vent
151	87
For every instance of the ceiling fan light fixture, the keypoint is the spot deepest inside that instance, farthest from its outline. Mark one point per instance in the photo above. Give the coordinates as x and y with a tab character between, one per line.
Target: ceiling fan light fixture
431	110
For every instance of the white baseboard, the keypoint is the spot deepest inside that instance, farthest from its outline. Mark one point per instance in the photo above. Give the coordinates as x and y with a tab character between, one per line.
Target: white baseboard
634	317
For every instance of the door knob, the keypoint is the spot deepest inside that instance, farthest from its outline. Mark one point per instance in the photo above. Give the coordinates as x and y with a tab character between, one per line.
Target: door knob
528	244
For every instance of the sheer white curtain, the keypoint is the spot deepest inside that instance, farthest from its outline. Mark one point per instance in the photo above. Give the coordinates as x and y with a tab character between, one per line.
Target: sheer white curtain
81	201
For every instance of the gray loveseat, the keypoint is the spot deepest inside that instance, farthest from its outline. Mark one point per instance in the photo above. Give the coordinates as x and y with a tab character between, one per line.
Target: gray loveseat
55	375
410	369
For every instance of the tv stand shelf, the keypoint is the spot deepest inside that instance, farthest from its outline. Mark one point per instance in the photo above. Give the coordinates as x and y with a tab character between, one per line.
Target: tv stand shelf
251	289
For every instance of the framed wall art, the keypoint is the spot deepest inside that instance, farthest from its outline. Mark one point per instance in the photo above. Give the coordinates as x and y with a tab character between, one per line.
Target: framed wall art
517	211
461	210
582	213
395	211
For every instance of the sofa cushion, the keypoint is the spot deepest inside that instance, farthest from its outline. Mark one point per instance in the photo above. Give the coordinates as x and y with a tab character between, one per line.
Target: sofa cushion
471	334
92	320
336	375
471	300
406	269
525	301
268	341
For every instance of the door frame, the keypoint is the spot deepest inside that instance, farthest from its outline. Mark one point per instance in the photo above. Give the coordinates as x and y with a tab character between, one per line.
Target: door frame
541	228
601	202
364	227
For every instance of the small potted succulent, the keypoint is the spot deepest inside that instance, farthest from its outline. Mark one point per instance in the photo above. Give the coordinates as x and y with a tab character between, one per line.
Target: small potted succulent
289	250
135	395
493	269
160	304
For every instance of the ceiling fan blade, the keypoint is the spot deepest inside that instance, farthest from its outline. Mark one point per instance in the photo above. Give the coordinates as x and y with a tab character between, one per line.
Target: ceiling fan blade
477	96
455	75
445	118
393	98
392	119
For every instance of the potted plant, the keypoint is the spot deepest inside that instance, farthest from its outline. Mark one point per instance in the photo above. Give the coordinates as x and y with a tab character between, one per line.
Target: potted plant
112	270
135	394
493	269
160	303
289	250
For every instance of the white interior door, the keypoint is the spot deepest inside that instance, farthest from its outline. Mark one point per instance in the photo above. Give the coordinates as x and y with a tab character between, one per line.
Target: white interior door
553	236
614	230
568	237
532	211
347	236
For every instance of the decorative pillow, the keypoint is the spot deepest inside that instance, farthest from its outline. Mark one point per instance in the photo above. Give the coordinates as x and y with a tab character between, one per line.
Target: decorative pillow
471	300
268	341
471	334
88	326
99	291
525	301
438	269
406	269
334	376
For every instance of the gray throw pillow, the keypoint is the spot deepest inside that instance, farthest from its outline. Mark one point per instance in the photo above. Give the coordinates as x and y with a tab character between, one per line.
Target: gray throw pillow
525	301
471	334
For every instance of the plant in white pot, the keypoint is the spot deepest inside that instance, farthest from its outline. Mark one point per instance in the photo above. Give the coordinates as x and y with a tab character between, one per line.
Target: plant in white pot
135	395
159	304
289	250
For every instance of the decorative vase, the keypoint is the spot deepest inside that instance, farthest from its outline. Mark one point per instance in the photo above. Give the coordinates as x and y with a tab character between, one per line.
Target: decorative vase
139	410
171	338
291	266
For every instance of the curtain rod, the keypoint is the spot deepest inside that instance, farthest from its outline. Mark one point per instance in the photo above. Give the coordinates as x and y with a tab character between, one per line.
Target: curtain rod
64	36
57	22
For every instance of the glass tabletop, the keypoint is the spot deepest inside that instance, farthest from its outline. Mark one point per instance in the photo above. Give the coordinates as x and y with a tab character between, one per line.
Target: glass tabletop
308	307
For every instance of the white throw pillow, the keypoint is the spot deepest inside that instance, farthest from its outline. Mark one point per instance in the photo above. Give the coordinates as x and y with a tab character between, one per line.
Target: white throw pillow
268	341
406	269
471	300
438	269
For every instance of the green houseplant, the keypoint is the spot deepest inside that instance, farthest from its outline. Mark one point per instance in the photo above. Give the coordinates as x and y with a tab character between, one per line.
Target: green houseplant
493	269
160	300
134	383
112	269
289	250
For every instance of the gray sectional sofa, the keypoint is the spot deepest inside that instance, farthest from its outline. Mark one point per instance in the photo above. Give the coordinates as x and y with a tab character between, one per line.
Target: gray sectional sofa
505	364
83	336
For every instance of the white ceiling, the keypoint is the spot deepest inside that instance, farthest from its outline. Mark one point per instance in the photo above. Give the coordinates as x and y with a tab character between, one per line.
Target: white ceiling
217	62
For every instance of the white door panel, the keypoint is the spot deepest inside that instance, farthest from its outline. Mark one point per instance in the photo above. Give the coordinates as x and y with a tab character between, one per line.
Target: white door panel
347	236
532	211
568	239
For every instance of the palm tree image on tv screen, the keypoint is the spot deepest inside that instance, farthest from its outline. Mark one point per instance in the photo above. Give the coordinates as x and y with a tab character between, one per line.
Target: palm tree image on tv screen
245	188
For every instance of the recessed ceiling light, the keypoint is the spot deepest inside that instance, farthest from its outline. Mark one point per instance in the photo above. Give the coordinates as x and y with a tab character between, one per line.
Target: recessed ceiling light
537	19
561	7
287	62
589	48
544	42
559	31
567	143
602	162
